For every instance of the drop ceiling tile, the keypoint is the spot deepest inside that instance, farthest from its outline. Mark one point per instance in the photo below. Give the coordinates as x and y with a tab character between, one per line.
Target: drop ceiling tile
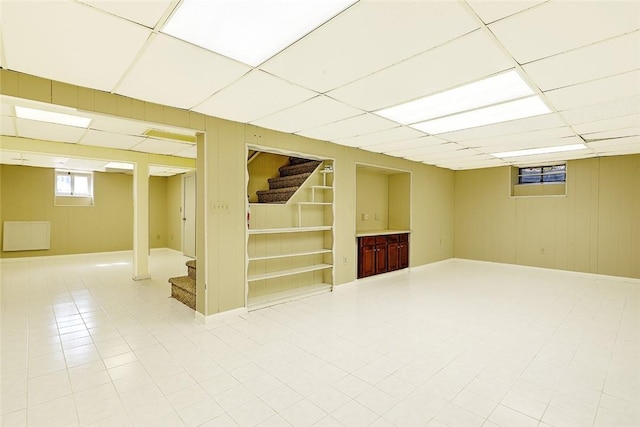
190	152
255	95
631	120
157	170
435	70
427	150
490	11
459	155
619	151
48	131
127	127
146	13
110	140
597	91
524	138
160	146
618	133
173	72
480	163
6	126
396	134
555	27
613	144
545	121
406	144
356	42
606	110
65	41
315	112
351	127
10	158
607	58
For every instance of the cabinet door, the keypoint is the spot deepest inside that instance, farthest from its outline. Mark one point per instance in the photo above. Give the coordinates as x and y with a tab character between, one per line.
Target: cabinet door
381	258
403	251
393	256
366	261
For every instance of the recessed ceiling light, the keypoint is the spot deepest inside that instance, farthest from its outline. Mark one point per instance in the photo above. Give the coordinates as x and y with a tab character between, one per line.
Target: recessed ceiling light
545	150
51	117
512	110
489	91
250	31
118	165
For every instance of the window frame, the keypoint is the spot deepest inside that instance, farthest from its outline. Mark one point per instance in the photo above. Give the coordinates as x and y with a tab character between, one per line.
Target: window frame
542	174
73	174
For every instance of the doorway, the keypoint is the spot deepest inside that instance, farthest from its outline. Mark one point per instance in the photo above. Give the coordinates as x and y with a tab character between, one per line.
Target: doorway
189	215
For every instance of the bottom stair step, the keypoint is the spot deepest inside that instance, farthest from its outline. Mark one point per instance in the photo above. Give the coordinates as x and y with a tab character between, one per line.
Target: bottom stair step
184	290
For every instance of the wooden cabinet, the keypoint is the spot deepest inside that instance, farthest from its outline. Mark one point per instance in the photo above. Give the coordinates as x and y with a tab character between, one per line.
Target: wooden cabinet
379	254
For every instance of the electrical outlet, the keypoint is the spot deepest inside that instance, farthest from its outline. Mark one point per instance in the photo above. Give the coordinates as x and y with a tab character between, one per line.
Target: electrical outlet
344	260
542	251
365	217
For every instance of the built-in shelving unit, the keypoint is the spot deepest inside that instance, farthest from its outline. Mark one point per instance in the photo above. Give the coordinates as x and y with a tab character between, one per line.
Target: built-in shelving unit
290	245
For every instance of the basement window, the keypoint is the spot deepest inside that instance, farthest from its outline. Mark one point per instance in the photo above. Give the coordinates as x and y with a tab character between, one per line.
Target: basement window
73	188
542	174
539	181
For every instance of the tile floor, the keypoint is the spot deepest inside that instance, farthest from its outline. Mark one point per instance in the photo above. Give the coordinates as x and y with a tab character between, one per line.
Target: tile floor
457	343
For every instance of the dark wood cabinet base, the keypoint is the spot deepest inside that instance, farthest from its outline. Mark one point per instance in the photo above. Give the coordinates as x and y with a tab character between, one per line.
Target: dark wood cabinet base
379	254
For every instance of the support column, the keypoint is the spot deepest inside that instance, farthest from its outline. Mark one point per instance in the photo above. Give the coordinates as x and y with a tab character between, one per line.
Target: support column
141	221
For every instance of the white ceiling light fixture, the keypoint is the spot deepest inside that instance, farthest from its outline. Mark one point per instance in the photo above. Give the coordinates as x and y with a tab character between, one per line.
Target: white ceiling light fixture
51	117
119	165
545	150
249	31
512	110
502	87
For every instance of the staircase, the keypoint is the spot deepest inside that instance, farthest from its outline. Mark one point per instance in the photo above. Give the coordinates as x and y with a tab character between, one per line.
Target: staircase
291	178
183	288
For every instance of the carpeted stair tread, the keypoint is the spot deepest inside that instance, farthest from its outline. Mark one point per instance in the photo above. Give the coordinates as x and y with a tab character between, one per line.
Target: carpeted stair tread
183	289
306	167
278	195
184	282
191	263
298	160
288	181
191	268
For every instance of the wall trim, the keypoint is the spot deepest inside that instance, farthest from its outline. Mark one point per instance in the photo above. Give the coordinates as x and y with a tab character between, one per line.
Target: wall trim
223	315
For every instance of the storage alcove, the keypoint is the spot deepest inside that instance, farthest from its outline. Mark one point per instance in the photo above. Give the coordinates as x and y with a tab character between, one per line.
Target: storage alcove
383	219
290	230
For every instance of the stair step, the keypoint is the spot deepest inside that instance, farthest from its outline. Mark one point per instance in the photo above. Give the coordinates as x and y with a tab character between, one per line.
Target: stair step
279	195
183	289
299	160
296	169
288	181
191	268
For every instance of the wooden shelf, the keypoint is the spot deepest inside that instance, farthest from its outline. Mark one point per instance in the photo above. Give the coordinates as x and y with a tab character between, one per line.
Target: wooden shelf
296	254
326	171
322	187
256	303
291	272
289	230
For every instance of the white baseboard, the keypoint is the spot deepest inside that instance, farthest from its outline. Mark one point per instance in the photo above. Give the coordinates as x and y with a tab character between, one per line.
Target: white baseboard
577	273
65	256
201	318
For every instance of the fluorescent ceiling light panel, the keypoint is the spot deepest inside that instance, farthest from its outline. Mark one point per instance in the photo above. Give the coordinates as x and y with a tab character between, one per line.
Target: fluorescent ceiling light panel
250	31
500	88
545	150
118	165
51	117
512	110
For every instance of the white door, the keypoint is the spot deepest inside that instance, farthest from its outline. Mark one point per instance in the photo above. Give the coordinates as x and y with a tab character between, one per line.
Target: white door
189	215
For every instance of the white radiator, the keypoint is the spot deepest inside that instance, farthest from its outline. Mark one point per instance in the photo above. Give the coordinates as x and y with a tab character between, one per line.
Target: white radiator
26	235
